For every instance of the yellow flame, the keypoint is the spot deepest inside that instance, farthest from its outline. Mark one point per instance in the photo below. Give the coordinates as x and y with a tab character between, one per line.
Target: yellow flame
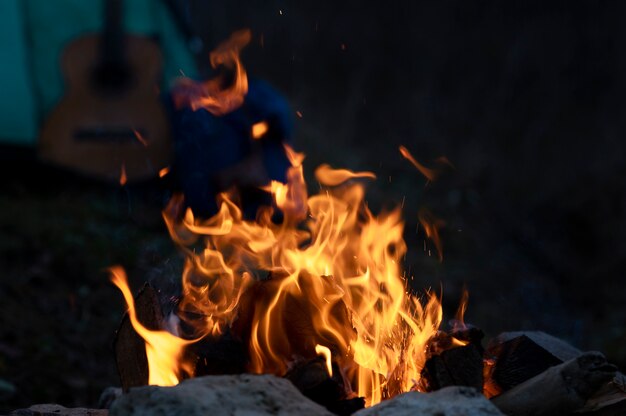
163	349
325	352
259	129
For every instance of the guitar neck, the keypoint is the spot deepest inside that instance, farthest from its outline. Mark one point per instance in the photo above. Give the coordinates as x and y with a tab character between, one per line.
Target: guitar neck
112	46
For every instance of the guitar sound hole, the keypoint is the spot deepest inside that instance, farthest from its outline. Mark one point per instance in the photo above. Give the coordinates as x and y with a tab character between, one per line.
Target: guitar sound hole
112	78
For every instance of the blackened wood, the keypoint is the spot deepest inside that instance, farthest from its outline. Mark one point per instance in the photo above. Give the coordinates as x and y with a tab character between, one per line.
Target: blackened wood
459	366
130	349
219	355
560	390
519	356
312	379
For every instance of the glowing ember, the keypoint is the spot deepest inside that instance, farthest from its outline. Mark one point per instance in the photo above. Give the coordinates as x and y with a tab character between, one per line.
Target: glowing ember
140	138
259	129
164	171
123	178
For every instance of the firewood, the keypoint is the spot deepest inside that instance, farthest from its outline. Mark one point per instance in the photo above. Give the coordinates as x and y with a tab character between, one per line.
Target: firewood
455	366
559	390
220	355
312	379
519	356
130	350
459	366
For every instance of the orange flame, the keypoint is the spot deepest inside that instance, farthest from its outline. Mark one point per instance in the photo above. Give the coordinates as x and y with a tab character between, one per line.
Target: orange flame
212	95
431	226
430	174
163	349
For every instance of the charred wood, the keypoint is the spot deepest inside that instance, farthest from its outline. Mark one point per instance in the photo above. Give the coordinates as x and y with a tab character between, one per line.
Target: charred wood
519	356
460	366
218	356
455	366
312	379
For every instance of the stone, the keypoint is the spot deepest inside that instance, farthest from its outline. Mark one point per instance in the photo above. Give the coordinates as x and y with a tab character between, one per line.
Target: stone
449	401
242	394
57	410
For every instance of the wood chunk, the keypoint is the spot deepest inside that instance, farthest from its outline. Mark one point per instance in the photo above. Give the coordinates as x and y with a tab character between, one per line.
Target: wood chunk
218	356
519	356
312	379
559	390
460	366
130	350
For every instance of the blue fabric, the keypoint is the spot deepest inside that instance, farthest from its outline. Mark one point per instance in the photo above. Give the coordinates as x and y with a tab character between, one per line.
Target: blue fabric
205	145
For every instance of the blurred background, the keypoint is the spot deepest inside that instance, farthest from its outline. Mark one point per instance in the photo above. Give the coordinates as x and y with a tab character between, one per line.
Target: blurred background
525	98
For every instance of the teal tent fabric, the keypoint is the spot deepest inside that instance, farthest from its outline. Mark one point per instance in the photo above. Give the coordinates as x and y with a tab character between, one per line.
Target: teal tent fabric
18	110
35	34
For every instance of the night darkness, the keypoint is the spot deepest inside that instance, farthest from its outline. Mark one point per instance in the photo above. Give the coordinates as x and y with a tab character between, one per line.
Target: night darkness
524	98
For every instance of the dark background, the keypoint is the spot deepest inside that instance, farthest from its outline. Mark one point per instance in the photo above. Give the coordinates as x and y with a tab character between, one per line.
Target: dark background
525	98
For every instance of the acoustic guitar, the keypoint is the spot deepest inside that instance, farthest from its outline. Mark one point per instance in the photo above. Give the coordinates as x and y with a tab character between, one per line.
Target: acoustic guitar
110	123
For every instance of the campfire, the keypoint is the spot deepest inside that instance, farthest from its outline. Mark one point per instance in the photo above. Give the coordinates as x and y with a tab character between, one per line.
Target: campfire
307	307
313	290
310	276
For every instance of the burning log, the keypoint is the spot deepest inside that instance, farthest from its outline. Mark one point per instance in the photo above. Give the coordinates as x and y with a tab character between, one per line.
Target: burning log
519	356
559	390
130	349
218	356
455	366
312	379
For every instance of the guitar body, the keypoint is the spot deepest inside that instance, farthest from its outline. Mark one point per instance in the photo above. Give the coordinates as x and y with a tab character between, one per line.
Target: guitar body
100	128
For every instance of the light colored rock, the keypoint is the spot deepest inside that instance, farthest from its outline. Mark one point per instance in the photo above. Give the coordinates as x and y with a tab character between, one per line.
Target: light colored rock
57	410
449	401
236	395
